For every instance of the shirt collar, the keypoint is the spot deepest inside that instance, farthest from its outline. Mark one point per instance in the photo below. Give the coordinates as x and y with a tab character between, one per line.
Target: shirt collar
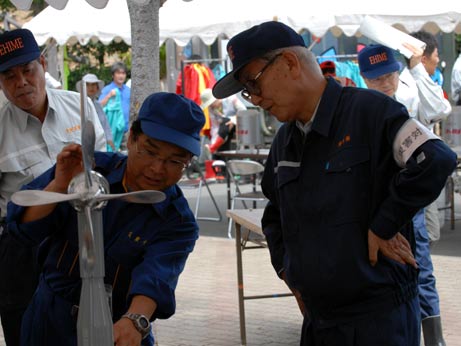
112	84
323	115
306	128
24	118
327	107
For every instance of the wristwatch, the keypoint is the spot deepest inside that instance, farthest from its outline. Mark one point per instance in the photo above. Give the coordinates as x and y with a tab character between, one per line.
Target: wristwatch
140	322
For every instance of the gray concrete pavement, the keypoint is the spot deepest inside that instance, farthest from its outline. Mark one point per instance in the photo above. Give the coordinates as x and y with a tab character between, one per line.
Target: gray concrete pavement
207	301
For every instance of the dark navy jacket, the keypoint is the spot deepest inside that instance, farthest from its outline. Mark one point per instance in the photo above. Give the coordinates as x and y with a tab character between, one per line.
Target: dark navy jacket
328	189
146	246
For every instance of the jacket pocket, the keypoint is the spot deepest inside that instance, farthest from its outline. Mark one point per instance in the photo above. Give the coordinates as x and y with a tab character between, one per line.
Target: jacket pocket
287	172
17	171
347	185
345	159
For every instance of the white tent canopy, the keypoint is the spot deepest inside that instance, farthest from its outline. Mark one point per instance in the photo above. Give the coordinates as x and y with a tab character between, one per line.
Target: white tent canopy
81	22
210	18
207	19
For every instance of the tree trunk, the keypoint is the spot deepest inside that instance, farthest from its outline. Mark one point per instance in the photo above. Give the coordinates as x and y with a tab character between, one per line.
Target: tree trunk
145	66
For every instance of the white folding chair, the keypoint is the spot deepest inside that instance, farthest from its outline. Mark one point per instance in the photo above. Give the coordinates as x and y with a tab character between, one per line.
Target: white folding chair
240	172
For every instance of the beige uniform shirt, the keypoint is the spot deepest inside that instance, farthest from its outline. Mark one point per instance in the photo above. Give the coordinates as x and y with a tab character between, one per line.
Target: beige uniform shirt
28	147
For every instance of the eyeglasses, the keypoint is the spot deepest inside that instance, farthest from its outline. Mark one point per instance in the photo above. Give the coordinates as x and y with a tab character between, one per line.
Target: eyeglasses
251	87
170	165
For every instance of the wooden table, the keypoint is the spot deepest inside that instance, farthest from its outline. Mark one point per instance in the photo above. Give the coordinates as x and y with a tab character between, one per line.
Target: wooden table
249	219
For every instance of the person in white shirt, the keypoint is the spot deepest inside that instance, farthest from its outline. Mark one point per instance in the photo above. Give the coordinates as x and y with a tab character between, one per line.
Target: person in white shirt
430	105
456	81
36	123
380	71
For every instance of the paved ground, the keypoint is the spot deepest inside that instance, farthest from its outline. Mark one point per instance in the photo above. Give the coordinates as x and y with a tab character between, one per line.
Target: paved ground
207	303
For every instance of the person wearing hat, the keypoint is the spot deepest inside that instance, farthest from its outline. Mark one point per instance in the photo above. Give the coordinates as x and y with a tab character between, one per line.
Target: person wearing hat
36	123
146	246
380	71
328	68
430	107
341	178
222	115
93	88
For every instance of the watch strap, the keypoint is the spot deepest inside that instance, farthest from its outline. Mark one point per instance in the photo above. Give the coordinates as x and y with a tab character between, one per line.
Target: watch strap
135	318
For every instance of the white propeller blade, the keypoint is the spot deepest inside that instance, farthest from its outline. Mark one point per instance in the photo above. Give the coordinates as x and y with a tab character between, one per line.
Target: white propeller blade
28	198
147	197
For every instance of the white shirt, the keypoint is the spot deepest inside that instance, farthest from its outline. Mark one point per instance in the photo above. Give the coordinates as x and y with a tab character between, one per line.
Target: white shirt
51	82
456	80
28	148
423	97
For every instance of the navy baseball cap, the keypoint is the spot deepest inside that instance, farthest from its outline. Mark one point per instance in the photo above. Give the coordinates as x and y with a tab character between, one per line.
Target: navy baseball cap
17	47
376	60
250	44
172	118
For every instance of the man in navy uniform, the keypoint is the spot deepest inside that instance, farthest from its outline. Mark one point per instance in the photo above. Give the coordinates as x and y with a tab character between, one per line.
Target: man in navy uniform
146	246
344	177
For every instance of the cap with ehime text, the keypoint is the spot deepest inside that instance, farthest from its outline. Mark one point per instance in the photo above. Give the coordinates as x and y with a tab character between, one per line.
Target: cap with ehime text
17	47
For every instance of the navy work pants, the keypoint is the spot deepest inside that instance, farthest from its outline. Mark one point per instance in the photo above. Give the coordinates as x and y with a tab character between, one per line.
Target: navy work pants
398	327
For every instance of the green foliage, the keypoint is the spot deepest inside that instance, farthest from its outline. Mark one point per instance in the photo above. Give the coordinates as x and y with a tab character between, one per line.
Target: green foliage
162	58
96	58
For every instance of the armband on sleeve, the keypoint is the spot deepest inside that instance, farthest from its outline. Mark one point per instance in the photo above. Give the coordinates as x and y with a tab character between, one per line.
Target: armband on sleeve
410	136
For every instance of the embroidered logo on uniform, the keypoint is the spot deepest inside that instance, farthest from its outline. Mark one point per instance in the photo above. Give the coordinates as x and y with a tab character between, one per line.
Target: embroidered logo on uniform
136	239
346	139
73	129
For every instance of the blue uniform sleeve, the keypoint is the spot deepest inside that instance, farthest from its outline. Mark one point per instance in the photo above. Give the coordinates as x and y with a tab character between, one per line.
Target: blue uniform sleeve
157	275
414	187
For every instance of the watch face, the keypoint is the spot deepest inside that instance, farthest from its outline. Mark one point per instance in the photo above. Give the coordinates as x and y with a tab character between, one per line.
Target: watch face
144	322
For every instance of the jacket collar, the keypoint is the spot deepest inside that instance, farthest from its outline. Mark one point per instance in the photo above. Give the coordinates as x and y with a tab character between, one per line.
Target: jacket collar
325	110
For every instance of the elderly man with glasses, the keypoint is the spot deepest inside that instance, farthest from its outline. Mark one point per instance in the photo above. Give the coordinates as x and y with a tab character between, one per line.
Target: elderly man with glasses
146	246
345	175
